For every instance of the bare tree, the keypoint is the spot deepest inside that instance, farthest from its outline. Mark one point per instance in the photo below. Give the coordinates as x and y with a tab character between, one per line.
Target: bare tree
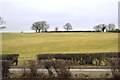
103	27
40	25
2	22
44	29
100	27
111	27
67	26
97	28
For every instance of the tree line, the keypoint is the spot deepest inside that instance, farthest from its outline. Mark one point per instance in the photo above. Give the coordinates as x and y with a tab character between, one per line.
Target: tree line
104	27
43	26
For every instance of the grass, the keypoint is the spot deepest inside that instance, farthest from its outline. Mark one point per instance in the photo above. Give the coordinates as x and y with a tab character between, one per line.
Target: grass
30	44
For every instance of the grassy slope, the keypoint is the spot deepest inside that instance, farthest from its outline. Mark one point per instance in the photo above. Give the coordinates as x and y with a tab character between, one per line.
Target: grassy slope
30	44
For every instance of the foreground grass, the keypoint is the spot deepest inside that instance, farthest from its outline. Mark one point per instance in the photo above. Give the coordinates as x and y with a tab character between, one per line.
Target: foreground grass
30	44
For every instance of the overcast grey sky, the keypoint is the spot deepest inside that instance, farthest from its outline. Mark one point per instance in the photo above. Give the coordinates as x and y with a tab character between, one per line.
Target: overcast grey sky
82	14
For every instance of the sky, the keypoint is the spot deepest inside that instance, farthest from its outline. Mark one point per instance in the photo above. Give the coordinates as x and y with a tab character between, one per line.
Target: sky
81	14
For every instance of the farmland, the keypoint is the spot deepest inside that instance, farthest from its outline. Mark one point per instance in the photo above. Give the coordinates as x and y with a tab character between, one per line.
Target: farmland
28	50
30	44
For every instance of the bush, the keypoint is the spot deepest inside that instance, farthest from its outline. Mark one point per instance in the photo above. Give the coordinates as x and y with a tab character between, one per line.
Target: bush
5	67
83	58
12	57
61	67
33	66
115	67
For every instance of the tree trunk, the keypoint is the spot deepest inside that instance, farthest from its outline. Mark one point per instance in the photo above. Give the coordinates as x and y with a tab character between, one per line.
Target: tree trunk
67	29
39	30
36	31
42	30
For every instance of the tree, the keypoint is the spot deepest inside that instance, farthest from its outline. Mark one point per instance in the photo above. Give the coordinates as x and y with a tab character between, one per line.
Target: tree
97	28
56	29
67	26
44	29
40	25
2	22
111	27
100	27
103	27
2	27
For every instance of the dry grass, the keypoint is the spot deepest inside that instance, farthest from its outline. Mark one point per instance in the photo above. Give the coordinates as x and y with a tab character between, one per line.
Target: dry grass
30	44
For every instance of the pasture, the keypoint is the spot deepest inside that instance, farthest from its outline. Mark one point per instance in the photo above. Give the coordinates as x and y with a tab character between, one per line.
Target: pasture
31	44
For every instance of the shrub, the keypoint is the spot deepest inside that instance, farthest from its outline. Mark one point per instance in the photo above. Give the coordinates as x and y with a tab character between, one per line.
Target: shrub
12	57
115	67
83	58
61	67
5	67
32	65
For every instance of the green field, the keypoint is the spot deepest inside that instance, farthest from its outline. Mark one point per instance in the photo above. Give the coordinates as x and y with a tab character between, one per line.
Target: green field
30	44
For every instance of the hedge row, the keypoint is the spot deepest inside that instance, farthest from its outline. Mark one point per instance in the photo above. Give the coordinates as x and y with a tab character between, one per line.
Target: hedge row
78	56
11	57
5	67
86	58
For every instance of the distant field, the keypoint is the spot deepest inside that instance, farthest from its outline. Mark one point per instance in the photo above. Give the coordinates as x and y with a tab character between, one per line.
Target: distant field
30	44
